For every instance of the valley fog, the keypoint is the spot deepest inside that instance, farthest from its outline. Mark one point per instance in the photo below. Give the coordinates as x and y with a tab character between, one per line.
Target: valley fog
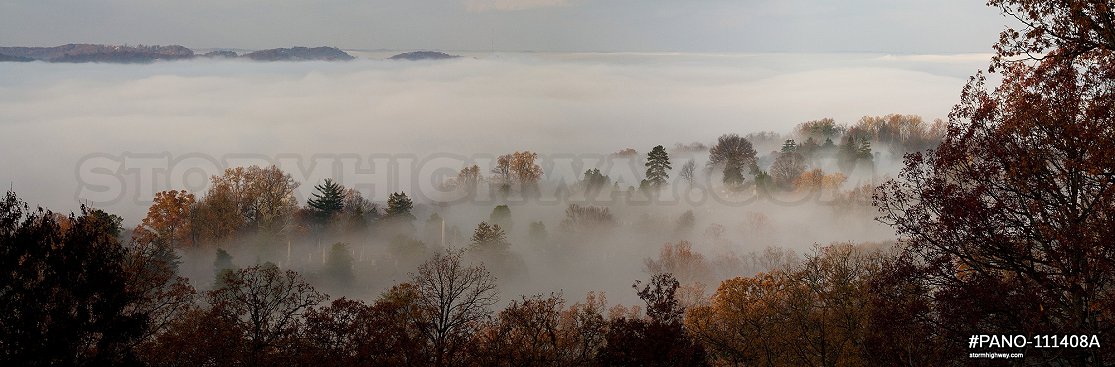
112	136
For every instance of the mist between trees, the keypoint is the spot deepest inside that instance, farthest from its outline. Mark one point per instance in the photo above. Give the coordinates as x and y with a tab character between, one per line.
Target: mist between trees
253	254
999	223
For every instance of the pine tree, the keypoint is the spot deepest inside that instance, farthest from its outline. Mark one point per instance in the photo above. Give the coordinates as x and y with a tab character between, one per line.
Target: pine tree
538	232
501	215
789	146
328	200
338	265
658	168
399	206
490	238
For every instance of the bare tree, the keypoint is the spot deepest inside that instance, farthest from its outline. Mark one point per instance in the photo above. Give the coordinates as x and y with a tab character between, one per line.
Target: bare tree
266	303
687	171
458	298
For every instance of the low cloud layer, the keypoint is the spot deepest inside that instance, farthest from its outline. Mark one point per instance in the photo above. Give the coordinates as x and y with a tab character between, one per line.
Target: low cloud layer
54	115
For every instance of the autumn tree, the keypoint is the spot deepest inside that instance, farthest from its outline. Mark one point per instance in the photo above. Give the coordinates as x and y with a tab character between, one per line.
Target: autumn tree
65	297
825	128
543	331
168	219
266	304
338	334
816	179
658	340
469	178
274	201
398	321
679	260
1009	216
732	154
254	198
162	295
216	218
351	333
1063	30
814	313
658	168
458	298
825	305
743	324
587	219
525	170
501	172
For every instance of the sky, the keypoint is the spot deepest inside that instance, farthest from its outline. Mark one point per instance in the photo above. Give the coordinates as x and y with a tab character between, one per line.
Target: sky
883	26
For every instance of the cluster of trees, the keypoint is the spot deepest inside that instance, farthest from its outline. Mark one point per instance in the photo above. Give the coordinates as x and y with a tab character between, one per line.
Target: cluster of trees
120	302
75	294
1007	224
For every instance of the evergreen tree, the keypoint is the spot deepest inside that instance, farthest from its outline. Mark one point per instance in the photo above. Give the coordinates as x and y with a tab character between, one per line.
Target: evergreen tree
808	148
399	206
538	232
828	145
338	265
223	261
686	222
501	215
328	200
490	238
594	181
789	146
433	231
658	168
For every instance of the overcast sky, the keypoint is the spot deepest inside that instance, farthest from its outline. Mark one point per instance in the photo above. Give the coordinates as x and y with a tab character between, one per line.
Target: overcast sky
889	26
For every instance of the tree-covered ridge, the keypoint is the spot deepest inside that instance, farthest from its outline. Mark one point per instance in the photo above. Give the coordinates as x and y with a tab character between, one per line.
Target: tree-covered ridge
78	53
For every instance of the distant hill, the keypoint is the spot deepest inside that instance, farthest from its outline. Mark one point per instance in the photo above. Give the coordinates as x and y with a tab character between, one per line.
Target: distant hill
99	53
422	55
221	53
300	54
4	58
145	54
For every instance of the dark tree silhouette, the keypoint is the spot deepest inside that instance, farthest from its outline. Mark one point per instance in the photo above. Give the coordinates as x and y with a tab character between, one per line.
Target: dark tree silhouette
457	298
65	297
658	168
328	200
266	304
660	340
1011	217
399	206
732	153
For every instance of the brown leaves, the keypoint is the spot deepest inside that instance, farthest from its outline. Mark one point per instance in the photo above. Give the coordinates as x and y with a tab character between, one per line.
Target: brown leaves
168	219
